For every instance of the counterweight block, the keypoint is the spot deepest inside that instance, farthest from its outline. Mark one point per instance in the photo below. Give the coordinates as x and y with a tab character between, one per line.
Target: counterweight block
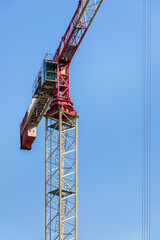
42	92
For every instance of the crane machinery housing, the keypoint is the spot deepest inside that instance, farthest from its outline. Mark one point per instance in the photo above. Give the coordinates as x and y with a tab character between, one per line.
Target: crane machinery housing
51	98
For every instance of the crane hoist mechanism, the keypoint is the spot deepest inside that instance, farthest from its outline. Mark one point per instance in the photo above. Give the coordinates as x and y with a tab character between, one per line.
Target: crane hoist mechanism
51	98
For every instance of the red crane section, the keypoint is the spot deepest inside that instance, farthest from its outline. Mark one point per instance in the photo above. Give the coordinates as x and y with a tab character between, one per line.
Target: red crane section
77	28
71	40
52	84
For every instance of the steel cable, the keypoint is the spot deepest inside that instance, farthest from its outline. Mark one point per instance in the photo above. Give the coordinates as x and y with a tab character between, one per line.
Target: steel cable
146	118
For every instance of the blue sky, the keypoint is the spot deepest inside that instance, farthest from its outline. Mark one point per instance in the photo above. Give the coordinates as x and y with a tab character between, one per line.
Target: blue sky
106	88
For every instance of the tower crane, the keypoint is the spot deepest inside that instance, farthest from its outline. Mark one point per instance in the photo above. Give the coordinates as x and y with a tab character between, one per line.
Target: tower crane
51	98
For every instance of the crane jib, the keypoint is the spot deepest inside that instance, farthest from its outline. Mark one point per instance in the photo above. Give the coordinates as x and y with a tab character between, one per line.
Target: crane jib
77	28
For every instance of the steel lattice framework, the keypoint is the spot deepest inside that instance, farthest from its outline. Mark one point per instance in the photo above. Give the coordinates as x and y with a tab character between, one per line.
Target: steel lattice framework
61	177
51	96
71	40
77	28
59	94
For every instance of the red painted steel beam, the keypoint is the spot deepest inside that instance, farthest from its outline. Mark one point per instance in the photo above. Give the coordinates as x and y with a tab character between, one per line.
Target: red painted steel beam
71	39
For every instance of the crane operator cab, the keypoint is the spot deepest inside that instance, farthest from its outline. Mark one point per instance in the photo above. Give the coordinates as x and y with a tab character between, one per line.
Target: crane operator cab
46	79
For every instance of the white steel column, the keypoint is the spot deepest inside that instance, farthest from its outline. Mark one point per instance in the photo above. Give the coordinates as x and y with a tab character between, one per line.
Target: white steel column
46	178
61	177
76	177
61	172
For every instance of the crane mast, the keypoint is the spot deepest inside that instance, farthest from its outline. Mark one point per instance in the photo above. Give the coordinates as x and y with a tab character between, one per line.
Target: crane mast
51	96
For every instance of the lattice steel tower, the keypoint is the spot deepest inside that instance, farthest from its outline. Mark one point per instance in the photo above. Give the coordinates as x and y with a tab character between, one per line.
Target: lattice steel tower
51	97
61	176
